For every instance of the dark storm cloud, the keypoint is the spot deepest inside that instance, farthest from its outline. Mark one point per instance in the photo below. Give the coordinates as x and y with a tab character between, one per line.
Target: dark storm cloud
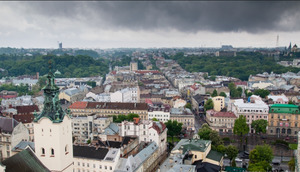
249	16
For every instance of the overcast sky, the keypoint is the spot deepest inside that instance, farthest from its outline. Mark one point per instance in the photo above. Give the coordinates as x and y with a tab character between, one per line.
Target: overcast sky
96	24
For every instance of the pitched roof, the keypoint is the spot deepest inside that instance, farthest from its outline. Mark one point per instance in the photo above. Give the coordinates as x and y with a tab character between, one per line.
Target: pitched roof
109	105
24	161
78	105
27	109
89	152
224	114
214	155
7	124
26	118
23	145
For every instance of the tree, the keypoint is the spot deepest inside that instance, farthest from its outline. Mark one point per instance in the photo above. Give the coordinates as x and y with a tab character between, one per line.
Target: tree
291	102
209	104
241	127
154	119
260	126
130	116
223	94
292	164
204	132
214	94
91	83
261	92
261	153
216	140
231	152
221	149
188	105
174	128
260	166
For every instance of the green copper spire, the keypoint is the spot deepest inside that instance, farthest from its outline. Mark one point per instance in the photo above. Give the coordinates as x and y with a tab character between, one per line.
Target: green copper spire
52	108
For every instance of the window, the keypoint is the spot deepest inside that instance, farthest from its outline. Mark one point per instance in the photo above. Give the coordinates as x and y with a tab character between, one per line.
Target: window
87	164
100	166
110	167
66	149
105	167
52	152
78	163
43	152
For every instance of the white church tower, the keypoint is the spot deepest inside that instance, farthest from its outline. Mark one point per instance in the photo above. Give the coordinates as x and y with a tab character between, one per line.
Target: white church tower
53	131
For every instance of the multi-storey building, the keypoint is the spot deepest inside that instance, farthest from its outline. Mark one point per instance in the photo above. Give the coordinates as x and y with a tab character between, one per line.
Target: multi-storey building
253	110
105	109
284	120
126	95
11	133
160	113
221	121
219	103
147	131
89	127
183	115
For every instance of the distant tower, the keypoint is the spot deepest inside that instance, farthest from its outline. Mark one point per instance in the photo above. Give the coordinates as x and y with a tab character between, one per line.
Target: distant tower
133	66
277	41
60	45
53	131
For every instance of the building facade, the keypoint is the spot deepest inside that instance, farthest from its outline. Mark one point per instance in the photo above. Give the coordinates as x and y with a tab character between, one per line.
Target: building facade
222	122
219	103
284	120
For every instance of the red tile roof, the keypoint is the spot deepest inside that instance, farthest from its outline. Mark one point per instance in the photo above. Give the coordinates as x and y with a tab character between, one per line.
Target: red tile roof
78	105
109	105
147	71
224	114
27	109
27	118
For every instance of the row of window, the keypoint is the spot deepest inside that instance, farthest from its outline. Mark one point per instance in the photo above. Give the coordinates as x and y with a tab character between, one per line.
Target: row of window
94	166
83	110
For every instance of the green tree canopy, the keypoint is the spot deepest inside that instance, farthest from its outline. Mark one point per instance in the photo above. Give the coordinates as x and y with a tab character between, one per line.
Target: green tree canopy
231	152
215	93
204	132
155	119
260	158
223	94
261	153
188	105
209	104
240	126
292	164
261	92
174	128
260	126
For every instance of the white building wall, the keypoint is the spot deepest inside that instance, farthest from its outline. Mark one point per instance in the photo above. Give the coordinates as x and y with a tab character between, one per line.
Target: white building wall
116	96
160	115
56	136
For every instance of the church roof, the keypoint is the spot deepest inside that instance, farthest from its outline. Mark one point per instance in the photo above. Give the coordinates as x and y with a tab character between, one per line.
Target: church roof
24	161
52	108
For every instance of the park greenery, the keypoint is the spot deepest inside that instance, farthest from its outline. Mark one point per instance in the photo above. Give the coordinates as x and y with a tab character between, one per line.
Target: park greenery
120	118
260	126
21	90
260	158
68	65
174	128
241	128
241	66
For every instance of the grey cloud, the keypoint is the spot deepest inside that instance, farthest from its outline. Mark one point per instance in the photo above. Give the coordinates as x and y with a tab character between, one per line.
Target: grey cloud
191	16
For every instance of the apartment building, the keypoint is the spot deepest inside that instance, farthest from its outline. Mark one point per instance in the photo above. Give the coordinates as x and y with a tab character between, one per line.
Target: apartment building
221	121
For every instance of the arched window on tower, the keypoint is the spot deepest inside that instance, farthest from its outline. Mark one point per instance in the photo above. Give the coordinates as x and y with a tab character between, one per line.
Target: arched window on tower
52	152
66	149
43	152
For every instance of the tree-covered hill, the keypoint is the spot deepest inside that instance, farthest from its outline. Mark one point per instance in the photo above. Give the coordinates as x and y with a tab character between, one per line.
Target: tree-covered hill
241	66
69	66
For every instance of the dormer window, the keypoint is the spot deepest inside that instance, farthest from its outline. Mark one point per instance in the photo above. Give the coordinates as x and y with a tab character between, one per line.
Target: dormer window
52	152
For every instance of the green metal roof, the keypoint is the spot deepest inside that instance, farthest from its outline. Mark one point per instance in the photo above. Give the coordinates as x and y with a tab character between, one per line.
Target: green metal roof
214	155
192	144
284	108
285	105
24	161
52	108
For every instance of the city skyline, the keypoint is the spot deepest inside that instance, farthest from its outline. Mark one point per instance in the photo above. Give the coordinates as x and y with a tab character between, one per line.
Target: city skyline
143	24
